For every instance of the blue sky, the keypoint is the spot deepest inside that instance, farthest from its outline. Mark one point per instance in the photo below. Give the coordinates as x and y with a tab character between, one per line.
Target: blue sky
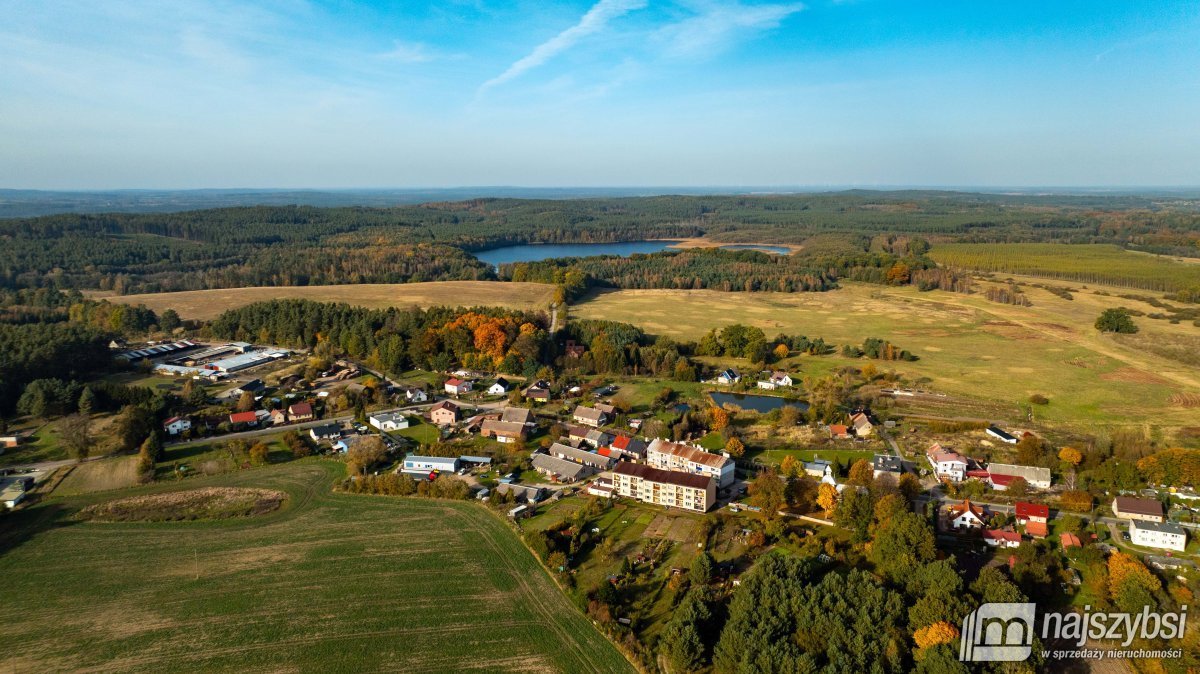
293	93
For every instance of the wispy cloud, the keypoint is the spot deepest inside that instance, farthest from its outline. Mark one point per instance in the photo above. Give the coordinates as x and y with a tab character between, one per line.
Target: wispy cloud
594	21
715	25
409	52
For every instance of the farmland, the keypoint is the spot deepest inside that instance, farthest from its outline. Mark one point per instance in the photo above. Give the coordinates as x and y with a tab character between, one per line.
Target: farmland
968	346
1100	263
207	304
330	582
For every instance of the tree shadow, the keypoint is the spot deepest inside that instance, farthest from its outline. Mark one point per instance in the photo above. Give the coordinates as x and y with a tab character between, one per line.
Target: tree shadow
32	519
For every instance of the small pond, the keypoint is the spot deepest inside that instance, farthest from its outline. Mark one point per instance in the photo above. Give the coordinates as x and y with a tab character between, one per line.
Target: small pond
758	403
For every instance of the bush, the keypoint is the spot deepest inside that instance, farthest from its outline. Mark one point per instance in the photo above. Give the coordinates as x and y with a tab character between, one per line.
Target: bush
1039	399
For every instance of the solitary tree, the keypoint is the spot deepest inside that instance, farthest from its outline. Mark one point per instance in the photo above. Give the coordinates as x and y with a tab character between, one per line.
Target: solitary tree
1116	320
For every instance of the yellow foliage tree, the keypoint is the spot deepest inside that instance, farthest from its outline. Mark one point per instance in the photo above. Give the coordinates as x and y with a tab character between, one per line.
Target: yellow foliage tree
735	448
789	467
940	632
1070	455
827	498
781	351
718	418
1124	569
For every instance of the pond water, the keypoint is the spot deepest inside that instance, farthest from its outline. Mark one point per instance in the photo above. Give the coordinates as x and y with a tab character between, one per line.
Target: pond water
532	252
749	401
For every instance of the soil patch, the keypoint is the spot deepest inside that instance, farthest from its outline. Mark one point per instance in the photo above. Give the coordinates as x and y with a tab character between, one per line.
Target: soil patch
194	504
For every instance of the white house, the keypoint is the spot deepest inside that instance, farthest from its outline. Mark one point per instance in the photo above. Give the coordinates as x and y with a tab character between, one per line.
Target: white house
429	464
500	387
388	421
177	425
1001	539
456	386
416	395
778	379
1163	535
729	376
947	465
964	516
1001	435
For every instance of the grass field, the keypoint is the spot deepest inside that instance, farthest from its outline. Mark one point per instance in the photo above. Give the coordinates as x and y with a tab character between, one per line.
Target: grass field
206	304
1092	263
330	582
968	346
101	475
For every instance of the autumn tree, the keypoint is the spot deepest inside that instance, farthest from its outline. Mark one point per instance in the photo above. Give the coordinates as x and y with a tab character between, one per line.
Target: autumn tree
827	498
245	402
940	632
258	453
910	486
1077	500
1070	455
1130	584
781	351
735	447
862	473
718	418
790	466
767	493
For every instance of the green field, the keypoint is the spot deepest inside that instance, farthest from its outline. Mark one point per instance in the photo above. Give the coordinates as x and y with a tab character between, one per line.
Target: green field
331	582
1089	263
983	354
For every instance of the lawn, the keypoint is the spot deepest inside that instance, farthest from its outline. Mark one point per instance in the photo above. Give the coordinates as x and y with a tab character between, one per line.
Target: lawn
420	431
100	475
330	582
968	347
207	304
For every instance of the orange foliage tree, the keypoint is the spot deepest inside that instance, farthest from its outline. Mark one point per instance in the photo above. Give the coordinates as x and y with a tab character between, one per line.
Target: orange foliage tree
940	632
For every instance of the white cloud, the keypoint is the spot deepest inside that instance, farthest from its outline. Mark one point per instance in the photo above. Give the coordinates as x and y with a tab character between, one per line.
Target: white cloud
594	21
409	52
714	25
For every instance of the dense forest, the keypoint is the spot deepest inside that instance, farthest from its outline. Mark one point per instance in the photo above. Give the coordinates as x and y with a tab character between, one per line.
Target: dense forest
295	245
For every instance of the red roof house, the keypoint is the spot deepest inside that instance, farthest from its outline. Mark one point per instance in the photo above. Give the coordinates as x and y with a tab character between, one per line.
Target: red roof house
1035	512
1069	540
243	418
1037	529
1003	539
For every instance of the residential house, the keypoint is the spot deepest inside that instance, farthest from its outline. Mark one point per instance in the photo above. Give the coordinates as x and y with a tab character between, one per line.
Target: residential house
609	410
278	417
1069	540
254	386
601	487
517	415
13	490
1035	517
537	393
598	438
300	412
388	421
593	459
1002	539
680	457
331	432
249	418
590	416
430	464
444	413
728	377
1001	475
500	387
521	493
964	516
560	470
862	424
1001	435
1162	535
578	434
886	463
1144	509
9	441
456	386
778	379
415	395
629	446
173	426
947	464
839	431
503	431
669	488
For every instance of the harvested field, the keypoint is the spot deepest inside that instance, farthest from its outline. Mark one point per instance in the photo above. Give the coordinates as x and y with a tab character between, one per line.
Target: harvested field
329	582
206	304
1186	400
1133	375
194	504
99	475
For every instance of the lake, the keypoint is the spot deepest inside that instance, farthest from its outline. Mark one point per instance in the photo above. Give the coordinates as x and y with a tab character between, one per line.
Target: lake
532	252
749	401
